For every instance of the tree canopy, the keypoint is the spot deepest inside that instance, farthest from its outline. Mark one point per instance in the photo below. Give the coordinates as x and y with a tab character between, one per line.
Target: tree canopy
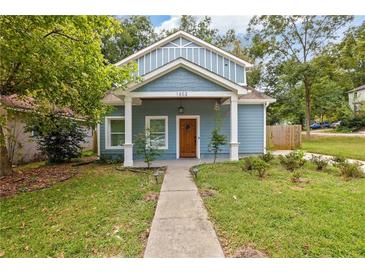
202	29
287	46
58	60
138	33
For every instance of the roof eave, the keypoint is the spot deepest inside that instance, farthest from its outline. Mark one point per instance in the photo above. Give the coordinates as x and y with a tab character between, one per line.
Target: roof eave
254	101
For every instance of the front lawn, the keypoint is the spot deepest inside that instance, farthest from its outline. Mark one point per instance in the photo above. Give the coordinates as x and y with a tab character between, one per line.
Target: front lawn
101	212
348	147
324	217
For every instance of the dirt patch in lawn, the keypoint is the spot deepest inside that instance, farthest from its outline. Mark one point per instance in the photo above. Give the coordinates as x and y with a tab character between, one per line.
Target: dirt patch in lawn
35	179
152	196
249	252
297	187
207	192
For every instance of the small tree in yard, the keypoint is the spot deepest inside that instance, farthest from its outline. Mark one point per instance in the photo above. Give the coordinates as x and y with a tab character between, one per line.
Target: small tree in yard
216	142
58	137
145	148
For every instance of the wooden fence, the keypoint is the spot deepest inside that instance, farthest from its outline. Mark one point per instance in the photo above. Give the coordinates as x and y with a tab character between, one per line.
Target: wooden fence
283	137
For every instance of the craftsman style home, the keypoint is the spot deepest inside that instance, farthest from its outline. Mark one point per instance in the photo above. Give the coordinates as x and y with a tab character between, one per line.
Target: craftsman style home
188	87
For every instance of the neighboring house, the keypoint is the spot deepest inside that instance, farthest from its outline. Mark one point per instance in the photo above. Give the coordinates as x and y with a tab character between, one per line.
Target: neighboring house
22	148
186	84
357	98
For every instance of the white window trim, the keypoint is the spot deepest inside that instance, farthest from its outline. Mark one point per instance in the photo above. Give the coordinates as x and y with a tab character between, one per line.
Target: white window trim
107	131
166	118
178	117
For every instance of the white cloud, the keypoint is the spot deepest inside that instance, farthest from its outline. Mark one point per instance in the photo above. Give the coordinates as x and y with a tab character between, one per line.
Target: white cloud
222	23
169	24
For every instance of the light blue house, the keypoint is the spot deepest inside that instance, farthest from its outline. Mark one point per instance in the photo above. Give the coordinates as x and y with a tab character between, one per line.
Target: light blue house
188	88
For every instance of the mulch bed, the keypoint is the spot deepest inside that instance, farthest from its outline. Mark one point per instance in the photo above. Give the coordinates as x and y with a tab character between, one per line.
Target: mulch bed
35	179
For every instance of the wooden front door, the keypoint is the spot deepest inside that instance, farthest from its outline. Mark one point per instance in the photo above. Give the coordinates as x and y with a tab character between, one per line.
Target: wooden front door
187	138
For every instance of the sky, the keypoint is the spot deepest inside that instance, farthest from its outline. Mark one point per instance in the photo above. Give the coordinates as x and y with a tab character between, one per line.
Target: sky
222	23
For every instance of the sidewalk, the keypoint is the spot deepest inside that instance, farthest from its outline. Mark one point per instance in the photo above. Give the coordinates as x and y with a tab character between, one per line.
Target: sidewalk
360	134
181	227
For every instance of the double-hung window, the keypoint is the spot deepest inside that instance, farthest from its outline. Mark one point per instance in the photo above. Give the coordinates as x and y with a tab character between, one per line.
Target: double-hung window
158	131
115	132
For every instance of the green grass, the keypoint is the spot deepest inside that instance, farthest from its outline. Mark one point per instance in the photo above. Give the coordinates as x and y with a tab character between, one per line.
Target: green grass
99	213
322	218
31	165
87	153
348	147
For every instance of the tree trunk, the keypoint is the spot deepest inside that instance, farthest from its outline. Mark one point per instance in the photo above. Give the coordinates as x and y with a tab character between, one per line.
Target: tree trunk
95	141
5	165
307	106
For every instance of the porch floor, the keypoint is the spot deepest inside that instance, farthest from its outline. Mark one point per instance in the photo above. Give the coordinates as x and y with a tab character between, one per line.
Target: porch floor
180	227
184	162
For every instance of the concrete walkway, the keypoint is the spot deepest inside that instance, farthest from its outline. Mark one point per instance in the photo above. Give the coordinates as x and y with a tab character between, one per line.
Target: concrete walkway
181	227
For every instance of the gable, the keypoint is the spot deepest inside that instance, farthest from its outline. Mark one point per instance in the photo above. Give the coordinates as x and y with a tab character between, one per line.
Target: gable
185	46
181	79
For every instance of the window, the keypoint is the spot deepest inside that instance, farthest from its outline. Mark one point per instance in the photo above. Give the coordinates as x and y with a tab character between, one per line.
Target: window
355	96
158	126
114	132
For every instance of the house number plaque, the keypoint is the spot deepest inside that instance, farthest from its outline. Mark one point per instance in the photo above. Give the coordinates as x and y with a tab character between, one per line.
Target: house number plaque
182	93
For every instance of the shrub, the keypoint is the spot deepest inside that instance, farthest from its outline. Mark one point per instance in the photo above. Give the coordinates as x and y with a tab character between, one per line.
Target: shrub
353	123
58	137
247	163
145	148
319	161
217	140
267	157
339	159
295	178
260	166
293	160
350	170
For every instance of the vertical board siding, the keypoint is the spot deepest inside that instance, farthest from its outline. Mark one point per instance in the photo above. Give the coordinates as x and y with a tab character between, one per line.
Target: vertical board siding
239	74
183	48
251	129
202	107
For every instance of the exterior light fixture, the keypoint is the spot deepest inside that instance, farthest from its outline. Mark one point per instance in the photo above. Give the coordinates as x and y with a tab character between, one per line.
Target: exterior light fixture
216	106
180	109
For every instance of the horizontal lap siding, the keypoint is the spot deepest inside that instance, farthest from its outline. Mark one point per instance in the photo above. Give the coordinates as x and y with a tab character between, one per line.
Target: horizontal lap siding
202	107
251	128
181	80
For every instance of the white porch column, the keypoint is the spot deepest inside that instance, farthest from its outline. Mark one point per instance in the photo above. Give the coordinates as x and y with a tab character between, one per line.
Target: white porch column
128	146
234	128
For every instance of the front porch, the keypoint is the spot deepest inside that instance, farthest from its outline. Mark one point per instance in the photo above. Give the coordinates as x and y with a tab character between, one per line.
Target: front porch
174	115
